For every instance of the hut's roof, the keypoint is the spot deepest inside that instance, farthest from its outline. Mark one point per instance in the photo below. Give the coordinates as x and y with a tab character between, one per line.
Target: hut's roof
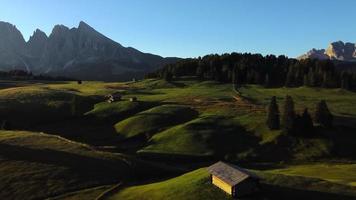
230	174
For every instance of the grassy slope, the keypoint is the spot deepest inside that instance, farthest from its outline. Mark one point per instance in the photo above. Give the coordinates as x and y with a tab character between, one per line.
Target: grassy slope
35	165
153	120
339	173
191	186
116	110
196	185
207	135
86	194
341	102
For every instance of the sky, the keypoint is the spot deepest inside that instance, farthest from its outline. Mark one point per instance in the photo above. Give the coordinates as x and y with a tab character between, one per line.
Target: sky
192	28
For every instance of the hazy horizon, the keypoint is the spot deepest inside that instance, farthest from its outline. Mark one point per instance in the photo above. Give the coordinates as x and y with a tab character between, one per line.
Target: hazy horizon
191	29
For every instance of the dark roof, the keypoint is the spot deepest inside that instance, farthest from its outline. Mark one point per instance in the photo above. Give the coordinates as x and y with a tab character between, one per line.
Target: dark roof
230	174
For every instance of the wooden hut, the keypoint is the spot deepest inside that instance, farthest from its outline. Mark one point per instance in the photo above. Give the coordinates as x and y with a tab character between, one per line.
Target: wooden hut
113	97
233	180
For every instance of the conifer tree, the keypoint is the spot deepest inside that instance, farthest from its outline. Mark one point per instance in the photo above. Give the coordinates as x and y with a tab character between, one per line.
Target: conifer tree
323	115
273	115
267	82
307	122
289	116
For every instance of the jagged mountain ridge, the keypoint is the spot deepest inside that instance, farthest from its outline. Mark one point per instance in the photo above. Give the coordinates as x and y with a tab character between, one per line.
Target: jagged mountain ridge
80	52
338	51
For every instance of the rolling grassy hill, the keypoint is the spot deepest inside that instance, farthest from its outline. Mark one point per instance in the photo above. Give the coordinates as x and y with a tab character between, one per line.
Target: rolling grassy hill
196	185
37	165
339	173
207	135
154	120
185	117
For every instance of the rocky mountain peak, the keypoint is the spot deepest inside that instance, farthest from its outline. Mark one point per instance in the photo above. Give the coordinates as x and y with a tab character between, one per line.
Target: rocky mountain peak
11	38
335	51
59	29
38	35
80	52
84	26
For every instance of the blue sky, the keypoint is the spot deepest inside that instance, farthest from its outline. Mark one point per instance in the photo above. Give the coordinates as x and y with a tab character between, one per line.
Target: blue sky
190	28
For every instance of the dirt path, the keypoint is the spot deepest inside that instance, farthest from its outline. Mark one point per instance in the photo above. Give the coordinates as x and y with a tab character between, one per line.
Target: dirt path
246	104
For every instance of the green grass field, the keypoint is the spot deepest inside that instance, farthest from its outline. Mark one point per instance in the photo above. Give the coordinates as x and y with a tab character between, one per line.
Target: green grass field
154	120
191	186
36	165
207	135
196	185
182	118
338	173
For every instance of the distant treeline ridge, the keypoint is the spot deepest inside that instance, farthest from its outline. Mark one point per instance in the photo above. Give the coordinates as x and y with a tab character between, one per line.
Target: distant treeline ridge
270	70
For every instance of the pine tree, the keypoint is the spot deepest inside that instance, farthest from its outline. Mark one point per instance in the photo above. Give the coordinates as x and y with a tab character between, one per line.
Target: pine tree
167	76
267	82
323	115
307	122
311	78
200	72
290	78
289	115
273	115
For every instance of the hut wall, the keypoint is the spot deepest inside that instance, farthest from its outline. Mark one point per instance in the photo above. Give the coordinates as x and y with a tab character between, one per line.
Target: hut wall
222	185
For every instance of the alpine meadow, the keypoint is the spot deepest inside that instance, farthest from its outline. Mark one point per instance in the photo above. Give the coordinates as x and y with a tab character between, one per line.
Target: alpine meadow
229	104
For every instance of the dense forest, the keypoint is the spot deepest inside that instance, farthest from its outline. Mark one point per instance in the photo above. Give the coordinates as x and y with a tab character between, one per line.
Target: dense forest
270	70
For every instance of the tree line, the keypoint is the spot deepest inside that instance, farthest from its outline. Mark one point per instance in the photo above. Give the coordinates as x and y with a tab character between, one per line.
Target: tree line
297	124
270	71
25	75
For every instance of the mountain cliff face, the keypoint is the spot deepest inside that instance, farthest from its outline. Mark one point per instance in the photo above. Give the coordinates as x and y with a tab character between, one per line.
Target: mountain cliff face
80	52
336	51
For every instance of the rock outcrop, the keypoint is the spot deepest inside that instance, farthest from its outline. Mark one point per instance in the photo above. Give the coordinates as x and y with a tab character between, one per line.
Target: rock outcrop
336	51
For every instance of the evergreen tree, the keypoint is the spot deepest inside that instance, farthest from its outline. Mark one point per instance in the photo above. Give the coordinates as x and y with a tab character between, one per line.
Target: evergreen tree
311	78
305	80
167	76
200	72
345	83
323	115
289	116
267	82
273	115
290	78
307	122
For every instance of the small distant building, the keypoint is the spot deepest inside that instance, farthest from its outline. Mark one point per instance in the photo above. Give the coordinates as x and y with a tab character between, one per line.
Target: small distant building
113	97
233	180
133	99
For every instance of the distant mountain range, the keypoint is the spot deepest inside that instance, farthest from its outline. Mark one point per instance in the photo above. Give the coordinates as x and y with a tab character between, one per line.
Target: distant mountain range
338	51
79	52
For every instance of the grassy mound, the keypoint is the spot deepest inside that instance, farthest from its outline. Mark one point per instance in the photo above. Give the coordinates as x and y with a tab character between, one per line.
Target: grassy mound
27	106
209	135
338	173
117	110
36	165
194	185
154	120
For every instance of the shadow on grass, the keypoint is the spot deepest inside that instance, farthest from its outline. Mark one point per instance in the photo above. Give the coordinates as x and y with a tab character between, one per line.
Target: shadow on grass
84	166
